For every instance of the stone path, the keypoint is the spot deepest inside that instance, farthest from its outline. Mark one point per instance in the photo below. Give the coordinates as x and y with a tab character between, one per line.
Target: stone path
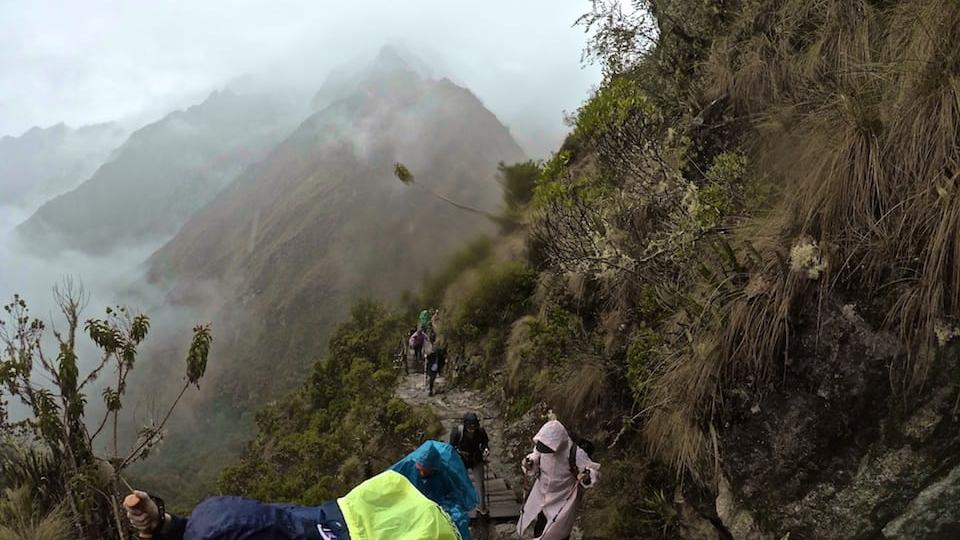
450	405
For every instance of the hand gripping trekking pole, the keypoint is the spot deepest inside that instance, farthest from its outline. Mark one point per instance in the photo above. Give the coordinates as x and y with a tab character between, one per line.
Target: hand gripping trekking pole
135	502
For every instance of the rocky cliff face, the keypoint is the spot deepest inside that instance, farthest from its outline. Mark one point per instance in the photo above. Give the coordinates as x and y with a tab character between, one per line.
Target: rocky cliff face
831	454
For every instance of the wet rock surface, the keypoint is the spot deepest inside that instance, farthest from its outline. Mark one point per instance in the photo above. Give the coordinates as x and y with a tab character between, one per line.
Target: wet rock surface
835	451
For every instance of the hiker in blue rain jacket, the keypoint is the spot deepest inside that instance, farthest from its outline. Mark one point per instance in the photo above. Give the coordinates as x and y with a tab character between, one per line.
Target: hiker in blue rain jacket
437	471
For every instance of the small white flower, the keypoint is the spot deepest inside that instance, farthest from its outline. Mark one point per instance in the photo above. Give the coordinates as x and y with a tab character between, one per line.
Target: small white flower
945	333
805	257
756	286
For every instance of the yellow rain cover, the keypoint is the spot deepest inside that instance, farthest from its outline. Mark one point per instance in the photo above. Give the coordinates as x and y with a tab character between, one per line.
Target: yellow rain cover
388	507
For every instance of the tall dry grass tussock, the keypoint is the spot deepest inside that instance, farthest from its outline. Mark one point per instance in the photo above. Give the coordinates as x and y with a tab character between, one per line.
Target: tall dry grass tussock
518	352
19	518
577	394
863	101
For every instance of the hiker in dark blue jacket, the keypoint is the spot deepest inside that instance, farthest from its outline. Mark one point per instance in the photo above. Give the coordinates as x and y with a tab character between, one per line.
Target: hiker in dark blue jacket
385	507
236	518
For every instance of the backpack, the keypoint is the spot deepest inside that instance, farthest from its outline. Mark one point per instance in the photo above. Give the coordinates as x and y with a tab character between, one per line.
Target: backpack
460	434
579	442
470	457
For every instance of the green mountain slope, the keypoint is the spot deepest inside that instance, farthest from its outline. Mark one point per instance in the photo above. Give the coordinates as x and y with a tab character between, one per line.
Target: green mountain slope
739	275
747	274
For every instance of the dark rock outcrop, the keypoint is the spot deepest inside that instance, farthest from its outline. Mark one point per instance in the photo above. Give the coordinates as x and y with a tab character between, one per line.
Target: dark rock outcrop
830	453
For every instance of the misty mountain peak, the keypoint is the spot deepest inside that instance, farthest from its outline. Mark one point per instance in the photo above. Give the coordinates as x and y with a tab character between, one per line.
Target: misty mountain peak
389	57
387	71
161	174
216	96
37	132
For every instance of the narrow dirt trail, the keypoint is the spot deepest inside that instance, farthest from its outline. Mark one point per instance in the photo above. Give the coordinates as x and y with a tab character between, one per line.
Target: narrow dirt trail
450	404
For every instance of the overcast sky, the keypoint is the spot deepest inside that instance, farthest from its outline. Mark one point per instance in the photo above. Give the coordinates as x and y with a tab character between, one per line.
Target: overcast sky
90	61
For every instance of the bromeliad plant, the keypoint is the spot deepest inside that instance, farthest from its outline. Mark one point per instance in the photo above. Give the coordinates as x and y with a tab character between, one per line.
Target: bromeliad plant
82	470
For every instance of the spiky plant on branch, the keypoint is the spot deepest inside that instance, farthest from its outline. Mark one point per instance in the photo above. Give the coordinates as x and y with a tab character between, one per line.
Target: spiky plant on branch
404	175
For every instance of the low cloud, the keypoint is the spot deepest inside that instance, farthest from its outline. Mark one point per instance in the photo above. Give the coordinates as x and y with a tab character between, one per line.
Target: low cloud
86	62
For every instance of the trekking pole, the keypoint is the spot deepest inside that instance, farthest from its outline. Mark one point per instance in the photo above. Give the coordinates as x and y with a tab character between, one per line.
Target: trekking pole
524	483
483	487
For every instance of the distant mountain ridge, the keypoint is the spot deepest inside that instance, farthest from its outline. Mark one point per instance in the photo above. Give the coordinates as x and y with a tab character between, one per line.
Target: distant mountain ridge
44	162
162	174
322	221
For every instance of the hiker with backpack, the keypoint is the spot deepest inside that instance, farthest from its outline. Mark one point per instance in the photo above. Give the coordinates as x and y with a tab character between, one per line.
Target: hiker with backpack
562	469
472	443
434	364
417	339
424	320
385	507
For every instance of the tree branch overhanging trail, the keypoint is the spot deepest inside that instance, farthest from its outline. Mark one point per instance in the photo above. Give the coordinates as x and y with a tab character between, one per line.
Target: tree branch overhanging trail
404	175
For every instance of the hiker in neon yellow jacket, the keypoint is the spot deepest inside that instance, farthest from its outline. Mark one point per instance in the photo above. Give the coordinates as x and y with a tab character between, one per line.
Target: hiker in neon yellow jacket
385	507
437	471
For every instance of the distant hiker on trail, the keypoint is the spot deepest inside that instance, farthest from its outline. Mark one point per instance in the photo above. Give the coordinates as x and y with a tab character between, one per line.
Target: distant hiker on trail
425	320
472	443
438	472
416	341
385	507
435	360
426	352
562	470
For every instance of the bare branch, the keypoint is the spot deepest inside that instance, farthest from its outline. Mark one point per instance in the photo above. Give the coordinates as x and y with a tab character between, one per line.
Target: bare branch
134	453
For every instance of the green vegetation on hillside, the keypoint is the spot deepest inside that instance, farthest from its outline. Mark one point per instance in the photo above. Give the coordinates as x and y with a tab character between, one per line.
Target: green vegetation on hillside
342	426
741	166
